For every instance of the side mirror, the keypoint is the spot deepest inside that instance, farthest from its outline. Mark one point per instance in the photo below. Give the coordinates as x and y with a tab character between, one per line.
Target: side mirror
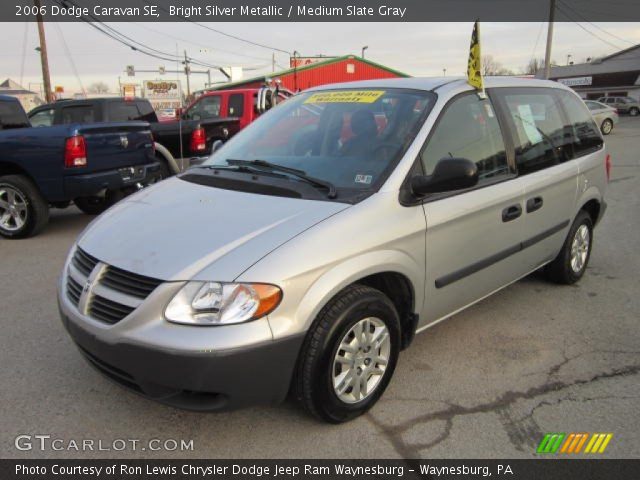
448	175
217	145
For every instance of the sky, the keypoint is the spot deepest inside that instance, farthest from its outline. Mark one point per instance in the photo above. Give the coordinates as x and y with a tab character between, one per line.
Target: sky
418	49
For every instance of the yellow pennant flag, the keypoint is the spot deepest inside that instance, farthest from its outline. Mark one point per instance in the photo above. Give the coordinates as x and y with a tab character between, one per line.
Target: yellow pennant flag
474	68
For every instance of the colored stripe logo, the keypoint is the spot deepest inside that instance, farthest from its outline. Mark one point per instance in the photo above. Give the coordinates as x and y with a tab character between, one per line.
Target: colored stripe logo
574	443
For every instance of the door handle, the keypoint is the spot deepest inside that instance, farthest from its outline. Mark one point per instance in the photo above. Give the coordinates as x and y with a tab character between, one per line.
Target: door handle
534	204
511	213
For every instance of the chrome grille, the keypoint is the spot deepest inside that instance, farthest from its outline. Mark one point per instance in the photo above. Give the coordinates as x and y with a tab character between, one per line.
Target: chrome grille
107	310
74	290
129	283
104	292
84	262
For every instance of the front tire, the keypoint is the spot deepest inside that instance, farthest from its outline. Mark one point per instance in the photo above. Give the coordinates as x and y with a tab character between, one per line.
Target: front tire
23	211
606	127
571	263
349	355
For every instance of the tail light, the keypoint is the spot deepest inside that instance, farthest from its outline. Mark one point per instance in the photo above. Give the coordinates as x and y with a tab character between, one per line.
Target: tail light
75	152
198	140
607	166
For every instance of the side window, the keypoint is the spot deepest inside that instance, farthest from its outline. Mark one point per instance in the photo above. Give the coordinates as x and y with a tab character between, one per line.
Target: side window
43	118
585	134
206	107
147	113
12	116
236	105
541	138
79	114
469	129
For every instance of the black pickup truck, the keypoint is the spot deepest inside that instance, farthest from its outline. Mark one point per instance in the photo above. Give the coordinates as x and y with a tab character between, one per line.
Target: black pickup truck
92	165
177	141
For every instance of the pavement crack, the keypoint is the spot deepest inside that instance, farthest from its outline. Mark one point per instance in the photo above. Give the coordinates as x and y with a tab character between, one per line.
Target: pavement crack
500	405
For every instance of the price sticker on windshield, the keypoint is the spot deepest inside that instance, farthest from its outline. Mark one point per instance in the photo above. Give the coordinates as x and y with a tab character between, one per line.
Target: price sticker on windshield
346	96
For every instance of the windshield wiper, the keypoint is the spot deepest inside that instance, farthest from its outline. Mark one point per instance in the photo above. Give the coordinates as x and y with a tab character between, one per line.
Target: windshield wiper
273	167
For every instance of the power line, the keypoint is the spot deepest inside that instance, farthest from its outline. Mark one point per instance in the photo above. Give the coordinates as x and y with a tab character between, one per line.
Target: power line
235	37
198	44
566	14
68	52
579	15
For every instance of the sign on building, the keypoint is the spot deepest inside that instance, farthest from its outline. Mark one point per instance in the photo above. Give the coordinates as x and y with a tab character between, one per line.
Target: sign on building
297	62
576	81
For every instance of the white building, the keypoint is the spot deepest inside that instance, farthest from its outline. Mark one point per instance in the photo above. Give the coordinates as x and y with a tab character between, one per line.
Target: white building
27	98
615	75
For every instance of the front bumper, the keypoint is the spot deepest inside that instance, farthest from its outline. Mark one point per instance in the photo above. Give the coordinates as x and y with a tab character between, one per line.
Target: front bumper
184	375
113	180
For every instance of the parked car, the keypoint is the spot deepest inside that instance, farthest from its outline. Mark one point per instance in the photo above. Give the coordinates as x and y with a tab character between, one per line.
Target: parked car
307	252
604	115
622	104
212	117
92	165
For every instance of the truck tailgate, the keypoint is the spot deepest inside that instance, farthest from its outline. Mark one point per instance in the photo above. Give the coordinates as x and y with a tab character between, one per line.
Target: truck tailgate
114	145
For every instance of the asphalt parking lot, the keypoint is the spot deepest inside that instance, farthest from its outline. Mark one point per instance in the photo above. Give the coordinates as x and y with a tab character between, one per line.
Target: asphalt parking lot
489	382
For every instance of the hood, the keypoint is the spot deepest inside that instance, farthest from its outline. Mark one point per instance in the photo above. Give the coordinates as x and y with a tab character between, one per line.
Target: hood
178	230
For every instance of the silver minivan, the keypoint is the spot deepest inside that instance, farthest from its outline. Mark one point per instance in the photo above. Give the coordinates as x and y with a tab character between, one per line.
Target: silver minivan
307	252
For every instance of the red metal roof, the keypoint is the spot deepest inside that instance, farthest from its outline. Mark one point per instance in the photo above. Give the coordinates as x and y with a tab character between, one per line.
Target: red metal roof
341	69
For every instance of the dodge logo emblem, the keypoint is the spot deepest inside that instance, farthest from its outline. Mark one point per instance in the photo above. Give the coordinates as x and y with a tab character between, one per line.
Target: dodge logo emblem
87	286
124	141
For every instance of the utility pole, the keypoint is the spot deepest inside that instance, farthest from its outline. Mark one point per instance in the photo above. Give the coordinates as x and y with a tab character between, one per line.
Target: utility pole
186	71
547	53
46	78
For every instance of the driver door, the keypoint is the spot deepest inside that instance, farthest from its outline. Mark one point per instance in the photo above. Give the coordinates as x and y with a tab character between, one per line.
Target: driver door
473	236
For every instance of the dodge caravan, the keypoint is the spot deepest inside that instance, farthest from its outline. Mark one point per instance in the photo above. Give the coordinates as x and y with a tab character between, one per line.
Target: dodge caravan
305	253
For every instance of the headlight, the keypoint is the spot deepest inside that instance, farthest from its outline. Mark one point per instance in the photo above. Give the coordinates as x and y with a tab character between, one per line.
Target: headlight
214	303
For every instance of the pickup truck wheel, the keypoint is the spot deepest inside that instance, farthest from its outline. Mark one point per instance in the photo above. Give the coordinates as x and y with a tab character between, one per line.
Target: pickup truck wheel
96	205
23	211
349	355
607	126
633	111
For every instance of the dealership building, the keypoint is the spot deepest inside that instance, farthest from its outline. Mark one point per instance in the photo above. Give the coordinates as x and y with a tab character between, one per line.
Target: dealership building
308	72
614	75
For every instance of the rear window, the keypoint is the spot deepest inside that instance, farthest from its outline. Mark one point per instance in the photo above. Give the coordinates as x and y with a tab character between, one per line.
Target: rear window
12	116
541	137
585	133
123	111
79	114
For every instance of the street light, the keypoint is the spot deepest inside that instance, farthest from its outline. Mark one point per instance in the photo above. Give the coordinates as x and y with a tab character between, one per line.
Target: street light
363	49
444	72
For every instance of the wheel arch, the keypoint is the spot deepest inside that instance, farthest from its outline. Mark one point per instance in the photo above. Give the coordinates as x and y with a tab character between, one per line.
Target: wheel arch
8	168
394	273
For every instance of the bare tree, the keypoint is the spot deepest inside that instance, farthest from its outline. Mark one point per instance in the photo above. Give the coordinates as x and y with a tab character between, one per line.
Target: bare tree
490	66
533	66
98	87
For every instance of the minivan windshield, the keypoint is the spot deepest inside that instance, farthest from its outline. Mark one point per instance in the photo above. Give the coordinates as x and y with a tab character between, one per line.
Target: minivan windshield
350	139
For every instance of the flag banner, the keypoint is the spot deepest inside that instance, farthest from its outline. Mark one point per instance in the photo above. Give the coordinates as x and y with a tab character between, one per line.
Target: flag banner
474	68
122	469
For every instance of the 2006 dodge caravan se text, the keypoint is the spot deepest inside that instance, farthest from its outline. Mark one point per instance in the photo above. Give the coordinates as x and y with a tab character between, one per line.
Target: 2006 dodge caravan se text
309	249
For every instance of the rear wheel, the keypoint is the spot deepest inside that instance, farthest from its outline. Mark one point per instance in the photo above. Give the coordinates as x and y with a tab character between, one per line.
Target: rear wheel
349	355
571	263
98	204
23	211
607	126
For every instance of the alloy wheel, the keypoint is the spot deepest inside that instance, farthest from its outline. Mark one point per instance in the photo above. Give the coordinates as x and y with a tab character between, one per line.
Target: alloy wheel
580	248
361	360
13	209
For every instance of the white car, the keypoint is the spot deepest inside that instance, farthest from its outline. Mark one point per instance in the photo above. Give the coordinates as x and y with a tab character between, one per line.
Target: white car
605	116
